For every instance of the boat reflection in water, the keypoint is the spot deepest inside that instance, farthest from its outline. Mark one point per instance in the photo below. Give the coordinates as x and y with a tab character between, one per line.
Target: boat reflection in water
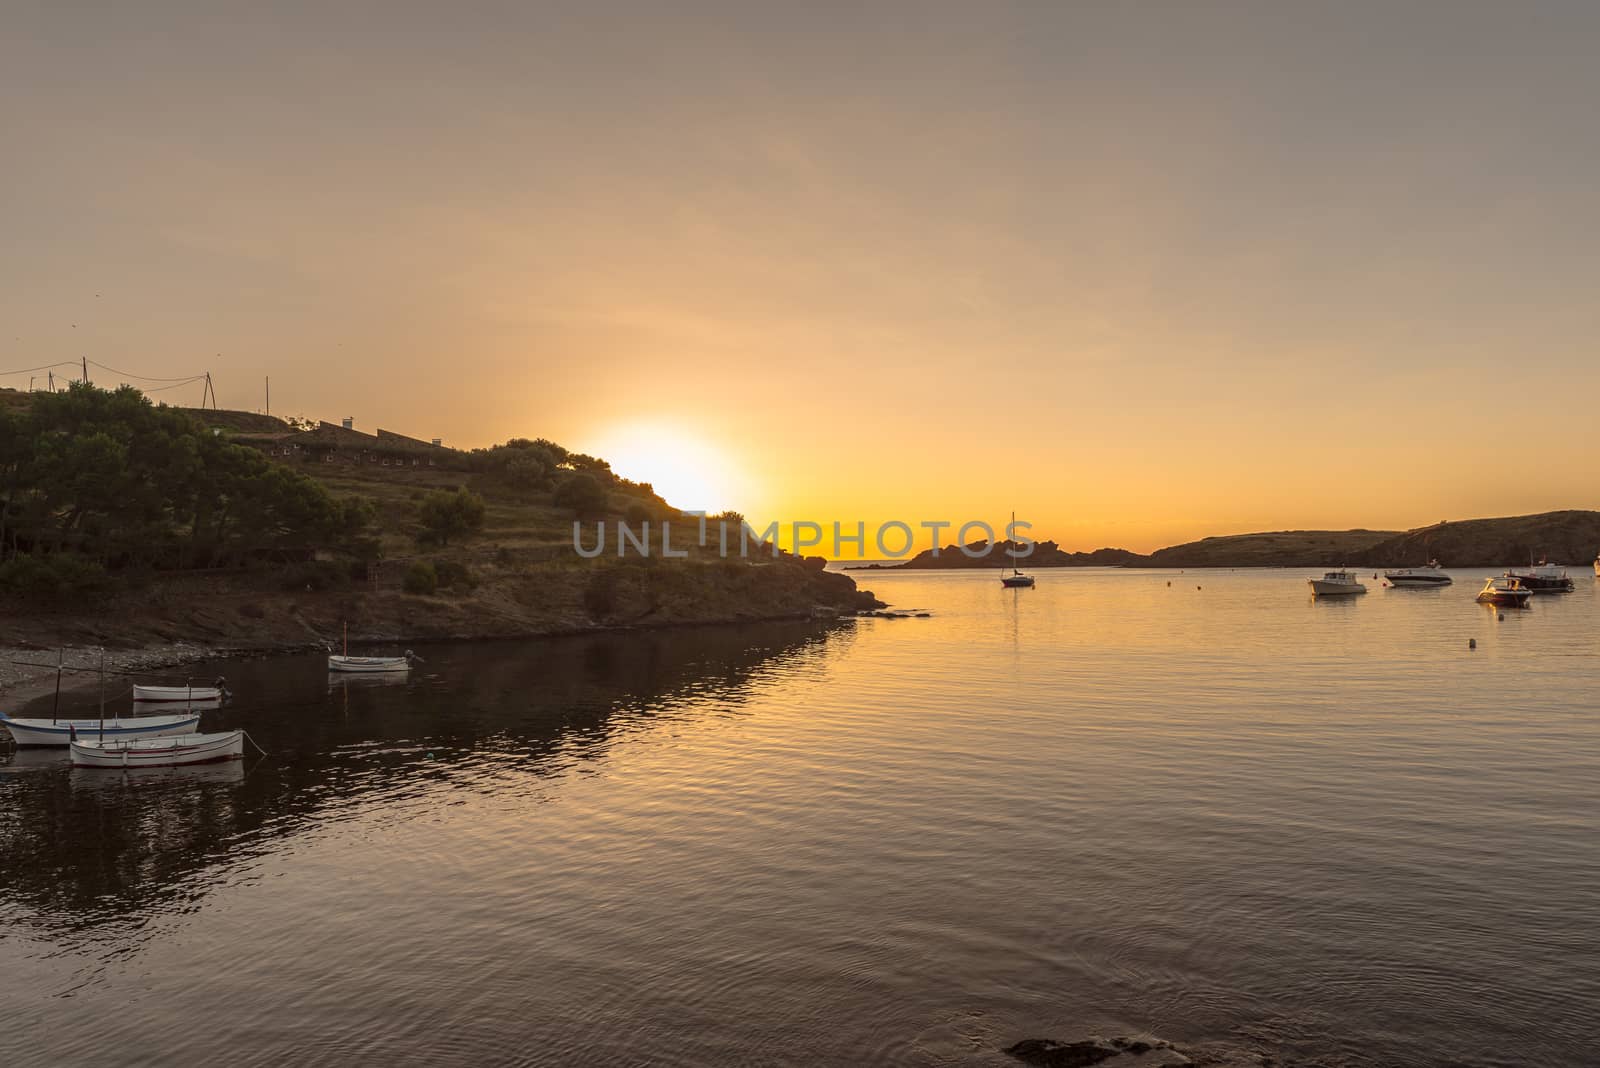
108	847
228	772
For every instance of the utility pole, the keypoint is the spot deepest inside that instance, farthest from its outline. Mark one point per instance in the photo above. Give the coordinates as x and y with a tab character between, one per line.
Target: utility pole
52	380
86	368
269	394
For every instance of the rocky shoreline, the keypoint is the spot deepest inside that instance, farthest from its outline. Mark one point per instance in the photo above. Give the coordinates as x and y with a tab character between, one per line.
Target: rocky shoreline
167	625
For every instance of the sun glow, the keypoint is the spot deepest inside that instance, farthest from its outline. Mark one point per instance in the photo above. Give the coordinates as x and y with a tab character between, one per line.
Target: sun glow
687	471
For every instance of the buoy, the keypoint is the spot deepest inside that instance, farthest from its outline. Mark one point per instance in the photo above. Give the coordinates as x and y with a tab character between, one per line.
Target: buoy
1472	643
1199	587
1501	616
1169	582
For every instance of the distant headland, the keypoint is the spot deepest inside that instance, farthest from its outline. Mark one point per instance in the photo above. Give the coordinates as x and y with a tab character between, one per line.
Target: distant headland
1571	537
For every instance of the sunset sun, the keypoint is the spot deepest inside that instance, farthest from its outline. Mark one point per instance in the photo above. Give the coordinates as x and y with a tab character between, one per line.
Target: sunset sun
684	469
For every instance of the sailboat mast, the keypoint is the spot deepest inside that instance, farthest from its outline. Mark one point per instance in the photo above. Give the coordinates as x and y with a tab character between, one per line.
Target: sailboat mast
55	709
102	693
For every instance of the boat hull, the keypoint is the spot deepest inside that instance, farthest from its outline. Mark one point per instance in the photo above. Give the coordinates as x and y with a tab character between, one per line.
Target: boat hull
43	732
1336	589
176	751
197	694
1423	582
368	664
1537	584
1016	583
1507	600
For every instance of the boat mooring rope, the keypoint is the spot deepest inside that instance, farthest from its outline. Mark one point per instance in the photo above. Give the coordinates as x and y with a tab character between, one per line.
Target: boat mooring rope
253	742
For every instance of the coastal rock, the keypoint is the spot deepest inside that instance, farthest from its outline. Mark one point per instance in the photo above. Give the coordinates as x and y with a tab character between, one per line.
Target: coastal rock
1146	1051
1122	1052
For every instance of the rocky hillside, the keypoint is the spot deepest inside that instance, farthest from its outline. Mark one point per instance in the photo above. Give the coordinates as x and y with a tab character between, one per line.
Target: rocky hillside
1279	548
508	595
1570	537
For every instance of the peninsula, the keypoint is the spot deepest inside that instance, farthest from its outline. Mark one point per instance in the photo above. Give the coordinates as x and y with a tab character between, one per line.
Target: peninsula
1571	536
164	533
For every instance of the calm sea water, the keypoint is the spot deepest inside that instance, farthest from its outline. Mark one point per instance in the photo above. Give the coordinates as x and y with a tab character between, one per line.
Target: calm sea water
1198	804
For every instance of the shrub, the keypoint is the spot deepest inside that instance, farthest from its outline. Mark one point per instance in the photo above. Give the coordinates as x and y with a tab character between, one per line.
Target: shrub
421	578
453	574
317	575
583	493
637	514
58	576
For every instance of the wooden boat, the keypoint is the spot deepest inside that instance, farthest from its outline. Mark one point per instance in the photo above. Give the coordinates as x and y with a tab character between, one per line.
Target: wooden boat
215	692
167	752
1505	590
371	663
59	732
1336	584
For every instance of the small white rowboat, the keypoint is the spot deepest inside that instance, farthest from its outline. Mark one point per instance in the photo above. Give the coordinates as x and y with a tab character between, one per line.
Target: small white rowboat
180	693
158	752
59	732
370	663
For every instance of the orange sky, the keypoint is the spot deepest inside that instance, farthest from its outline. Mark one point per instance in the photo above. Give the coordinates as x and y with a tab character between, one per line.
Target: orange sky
1141	275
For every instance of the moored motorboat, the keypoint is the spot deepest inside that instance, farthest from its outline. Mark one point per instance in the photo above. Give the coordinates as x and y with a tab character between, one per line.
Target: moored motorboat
1543	577
167	752
1429	576
60	732
1597	567
1336	584
217	691
1505	590
371	663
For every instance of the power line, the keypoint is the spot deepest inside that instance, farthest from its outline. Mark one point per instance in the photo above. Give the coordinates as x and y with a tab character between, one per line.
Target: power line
199	378
41	367
142	378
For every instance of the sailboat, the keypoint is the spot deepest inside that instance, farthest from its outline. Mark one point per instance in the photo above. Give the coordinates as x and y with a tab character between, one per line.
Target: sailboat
1015	580
369	664
58	732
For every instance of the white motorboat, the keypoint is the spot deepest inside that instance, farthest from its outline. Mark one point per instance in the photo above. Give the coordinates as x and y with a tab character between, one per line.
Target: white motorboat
371	663
168	752
217	691
1597	567
1336	584
1429	576
1505	590
59	732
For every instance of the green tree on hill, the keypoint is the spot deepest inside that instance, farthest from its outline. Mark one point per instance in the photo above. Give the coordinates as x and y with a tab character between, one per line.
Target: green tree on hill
447	515
110	476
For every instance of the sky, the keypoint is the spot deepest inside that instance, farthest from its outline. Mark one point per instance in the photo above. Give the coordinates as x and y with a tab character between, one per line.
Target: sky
1138	272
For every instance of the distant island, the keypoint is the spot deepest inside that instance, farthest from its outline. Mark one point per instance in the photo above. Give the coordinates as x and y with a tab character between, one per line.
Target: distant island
1569	537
